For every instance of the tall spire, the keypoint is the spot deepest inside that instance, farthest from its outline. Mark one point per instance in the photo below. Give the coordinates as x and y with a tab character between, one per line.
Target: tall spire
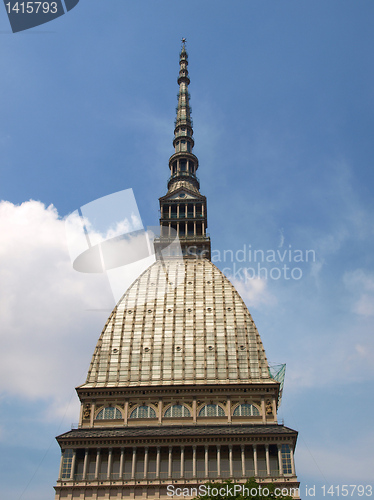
183	164
183	118
183	209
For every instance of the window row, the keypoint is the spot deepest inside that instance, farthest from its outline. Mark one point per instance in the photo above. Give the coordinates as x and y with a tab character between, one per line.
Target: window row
183	166
177	411
183	146
199	461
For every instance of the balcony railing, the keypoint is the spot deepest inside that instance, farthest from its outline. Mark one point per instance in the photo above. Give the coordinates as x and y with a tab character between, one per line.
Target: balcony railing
182	216
188	474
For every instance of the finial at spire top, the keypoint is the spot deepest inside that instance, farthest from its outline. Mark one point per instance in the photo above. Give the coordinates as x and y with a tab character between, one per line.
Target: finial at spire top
184	41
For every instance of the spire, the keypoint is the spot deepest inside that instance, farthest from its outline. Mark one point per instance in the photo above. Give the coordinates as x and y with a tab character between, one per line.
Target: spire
183	164
183	110
184	209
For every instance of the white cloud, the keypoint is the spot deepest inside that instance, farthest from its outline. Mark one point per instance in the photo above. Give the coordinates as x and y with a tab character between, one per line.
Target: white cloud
49	326
325	358
361	286
254	292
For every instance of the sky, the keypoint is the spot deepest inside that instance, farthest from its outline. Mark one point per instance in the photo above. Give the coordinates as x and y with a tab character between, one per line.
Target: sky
282	101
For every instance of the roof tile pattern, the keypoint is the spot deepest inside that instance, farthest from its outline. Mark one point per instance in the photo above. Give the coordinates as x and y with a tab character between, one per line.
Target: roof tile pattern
171	431
180	322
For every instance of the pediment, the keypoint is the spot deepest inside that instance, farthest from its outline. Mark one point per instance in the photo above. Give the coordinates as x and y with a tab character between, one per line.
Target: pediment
182	195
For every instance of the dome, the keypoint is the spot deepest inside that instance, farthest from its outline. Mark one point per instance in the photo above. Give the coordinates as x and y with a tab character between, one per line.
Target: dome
180	323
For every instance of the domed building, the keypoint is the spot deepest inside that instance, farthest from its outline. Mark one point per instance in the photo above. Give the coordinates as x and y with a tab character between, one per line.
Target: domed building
179	390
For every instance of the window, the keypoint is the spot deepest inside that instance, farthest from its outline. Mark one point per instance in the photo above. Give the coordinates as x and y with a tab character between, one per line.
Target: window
143	412
286	459
211	411
246	410
177	411
109	413
66	464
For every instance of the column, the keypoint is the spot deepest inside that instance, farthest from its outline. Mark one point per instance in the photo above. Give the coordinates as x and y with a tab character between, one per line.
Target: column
230	460
194	411
267	459
280	463
133	465
243	460
169	211
170	460
158	463
126	411
292	462
182	461
229	410
255	459
85	463
92	414
194	460
145	462
121	463
169	229
160	406
263	410
274	408
97	465
194	210
206	461
109	469
194	228
73	464
61	461
81	415
218	460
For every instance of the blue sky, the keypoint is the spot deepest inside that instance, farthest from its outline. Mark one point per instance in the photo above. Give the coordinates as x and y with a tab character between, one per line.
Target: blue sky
282	101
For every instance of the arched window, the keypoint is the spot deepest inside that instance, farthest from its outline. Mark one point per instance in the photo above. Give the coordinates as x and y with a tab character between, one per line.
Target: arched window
177	411
109	413
143	412
246	410
211	411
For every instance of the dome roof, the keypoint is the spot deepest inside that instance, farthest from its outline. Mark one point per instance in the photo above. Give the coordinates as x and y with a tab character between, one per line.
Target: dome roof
180	322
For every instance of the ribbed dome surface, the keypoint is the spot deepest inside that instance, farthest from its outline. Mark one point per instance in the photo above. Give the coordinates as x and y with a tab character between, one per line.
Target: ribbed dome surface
180	322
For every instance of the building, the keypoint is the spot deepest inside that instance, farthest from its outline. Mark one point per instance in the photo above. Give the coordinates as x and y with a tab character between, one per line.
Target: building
179	390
